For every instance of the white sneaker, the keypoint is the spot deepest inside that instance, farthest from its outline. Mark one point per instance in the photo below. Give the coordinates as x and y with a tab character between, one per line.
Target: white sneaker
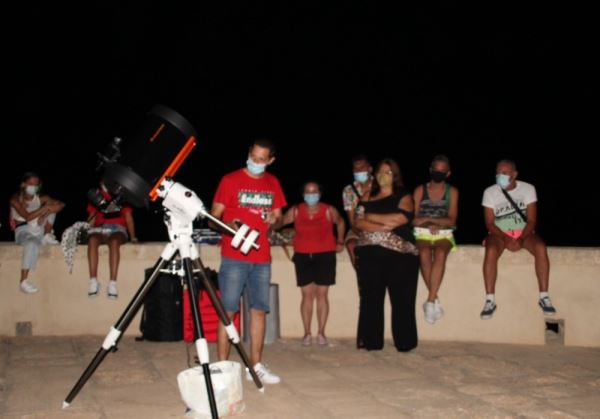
439	311
430	313
264	374
547	306
94	288
49	238
112	291
488	309
28	287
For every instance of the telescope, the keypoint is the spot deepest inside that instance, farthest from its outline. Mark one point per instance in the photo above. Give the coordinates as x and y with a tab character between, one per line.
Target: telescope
141	172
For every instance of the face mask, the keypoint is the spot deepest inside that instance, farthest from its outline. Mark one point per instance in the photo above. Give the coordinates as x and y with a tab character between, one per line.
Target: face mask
361	177
384	179
32	189
255	168
502	180
438	177
311	198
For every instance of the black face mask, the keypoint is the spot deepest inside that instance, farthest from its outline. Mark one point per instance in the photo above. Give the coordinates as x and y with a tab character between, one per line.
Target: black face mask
438	177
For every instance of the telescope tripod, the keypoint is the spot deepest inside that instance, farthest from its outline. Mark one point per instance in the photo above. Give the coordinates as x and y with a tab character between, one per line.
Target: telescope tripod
180	233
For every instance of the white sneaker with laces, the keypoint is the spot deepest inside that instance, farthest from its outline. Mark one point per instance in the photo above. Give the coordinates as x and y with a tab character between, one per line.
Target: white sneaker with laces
112	291
28	287
547	306
94	288
264	374
49	238
430	314
488	309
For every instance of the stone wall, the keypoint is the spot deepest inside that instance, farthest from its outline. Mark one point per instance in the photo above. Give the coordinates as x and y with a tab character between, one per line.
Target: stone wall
62	307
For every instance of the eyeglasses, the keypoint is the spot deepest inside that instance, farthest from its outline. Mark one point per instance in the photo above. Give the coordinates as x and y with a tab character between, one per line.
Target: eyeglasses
385	172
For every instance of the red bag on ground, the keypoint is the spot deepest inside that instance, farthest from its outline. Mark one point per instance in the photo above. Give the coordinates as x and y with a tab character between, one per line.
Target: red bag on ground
208	316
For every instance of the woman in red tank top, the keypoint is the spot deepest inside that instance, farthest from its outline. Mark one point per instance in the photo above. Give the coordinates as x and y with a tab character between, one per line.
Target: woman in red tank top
314	258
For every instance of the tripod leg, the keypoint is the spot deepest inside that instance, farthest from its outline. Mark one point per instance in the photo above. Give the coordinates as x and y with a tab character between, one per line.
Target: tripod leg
111	339
201	344
232	332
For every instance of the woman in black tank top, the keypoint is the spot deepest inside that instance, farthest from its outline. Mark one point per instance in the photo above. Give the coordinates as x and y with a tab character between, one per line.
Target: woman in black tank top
387	260
436	206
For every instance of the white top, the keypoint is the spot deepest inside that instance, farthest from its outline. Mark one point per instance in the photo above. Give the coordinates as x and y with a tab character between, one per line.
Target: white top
506	216
31	206
32	225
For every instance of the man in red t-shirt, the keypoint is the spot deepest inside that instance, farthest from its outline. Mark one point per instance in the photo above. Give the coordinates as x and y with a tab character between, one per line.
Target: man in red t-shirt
253	197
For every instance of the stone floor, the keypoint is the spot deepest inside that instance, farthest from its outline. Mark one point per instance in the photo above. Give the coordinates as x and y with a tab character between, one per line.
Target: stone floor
438	379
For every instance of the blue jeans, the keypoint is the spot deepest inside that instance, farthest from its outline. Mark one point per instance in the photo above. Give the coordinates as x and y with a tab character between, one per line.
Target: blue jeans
235	274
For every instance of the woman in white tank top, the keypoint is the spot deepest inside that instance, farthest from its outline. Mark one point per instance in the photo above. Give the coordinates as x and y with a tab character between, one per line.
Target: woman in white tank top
32	217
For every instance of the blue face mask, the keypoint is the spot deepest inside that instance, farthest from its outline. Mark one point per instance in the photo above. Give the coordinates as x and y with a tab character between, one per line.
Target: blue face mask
312	198
255	168
32	189
361	177
502	180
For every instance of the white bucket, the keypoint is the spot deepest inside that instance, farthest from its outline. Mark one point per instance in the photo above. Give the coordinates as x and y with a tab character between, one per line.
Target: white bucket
226	377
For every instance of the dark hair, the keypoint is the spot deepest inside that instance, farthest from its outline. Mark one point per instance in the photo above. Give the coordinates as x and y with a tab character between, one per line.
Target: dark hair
26	176
265	143
312	181
29	175
397	182
360	157
441	157
508	161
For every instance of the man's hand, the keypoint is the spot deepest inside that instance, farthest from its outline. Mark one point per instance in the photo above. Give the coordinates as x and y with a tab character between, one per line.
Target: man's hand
270	217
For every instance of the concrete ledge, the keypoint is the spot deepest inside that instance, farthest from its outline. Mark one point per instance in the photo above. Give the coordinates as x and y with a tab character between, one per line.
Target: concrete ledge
63	308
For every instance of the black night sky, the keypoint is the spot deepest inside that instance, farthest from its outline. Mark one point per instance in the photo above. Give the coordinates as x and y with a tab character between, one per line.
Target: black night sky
478	82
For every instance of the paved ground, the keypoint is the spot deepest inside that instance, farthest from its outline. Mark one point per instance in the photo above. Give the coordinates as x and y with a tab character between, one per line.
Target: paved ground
449	380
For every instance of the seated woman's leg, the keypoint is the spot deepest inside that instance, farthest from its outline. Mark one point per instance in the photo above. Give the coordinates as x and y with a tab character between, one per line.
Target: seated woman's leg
49	225
114	254
115	240
31	248
94	241
441	248
426	261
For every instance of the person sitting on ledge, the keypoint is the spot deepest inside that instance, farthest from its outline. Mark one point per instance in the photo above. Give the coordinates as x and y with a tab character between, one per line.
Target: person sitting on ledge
32	216
111	228
510	212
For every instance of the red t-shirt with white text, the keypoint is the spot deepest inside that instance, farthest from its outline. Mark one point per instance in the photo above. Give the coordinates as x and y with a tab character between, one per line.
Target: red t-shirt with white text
245	198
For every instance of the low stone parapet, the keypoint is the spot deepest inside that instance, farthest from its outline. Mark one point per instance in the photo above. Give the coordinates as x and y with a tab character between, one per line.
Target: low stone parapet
62	307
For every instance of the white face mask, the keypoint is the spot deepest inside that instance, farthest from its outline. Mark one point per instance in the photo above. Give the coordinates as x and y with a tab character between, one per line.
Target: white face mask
361	177
502	180
32	189
255	168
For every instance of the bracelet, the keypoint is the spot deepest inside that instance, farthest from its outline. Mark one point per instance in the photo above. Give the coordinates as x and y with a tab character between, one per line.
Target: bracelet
340	242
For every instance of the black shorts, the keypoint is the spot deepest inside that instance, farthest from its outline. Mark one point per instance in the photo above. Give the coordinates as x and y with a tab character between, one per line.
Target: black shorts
314	267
